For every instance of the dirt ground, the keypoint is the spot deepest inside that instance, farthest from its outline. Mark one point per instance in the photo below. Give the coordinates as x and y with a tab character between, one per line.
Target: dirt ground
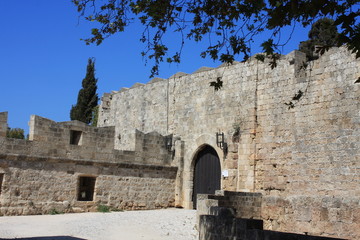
166	224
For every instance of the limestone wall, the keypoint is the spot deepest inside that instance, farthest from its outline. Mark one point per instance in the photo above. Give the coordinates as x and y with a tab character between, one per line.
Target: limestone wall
223	225
151	148
288	149
333	216
143	107
309	155
53	139
40	185
43	174
3	124
46	130
242	204
187	107
310	146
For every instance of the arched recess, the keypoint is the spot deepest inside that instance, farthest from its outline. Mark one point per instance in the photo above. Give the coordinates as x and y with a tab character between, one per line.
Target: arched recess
207	172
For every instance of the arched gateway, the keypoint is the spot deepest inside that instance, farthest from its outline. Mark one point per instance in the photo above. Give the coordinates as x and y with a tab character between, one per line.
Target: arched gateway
207	173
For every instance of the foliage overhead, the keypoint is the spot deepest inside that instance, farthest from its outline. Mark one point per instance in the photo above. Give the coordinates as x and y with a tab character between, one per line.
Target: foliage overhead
230	26
87	97
322	36
17	133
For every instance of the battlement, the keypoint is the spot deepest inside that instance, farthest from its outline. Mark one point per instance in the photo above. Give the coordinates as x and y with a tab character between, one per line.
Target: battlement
154	106
79	141
295	57
3	123
292	132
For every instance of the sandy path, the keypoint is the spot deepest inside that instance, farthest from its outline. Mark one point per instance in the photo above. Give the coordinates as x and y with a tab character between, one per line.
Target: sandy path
169	224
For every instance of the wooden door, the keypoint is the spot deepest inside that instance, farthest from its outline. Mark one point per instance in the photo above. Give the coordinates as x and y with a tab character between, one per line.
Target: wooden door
207	173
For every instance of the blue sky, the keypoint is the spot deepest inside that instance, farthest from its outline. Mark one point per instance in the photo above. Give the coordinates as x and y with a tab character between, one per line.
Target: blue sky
43	61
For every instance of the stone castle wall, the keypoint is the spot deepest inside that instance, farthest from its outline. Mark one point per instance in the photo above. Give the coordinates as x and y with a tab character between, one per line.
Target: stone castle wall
301	156
289	154
36	185
307	157
43	174
190	109
52	139
3	124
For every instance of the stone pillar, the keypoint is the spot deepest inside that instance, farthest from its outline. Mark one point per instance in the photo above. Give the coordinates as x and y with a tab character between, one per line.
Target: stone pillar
179	162
3	123
230	172
246	159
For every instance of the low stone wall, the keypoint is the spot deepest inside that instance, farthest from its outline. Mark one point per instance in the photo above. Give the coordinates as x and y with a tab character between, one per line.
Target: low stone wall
326	216
315	215
244	204
224	226
241	204
40	185
73	167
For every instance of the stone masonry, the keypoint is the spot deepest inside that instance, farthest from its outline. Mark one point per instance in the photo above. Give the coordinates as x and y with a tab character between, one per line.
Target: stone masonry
223	225
290	159
302	156
46	173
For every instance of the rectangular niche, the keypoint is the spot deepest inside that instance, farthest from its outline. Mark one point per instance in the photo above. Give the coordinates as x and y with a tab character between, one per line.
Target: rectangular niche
75	137
86	188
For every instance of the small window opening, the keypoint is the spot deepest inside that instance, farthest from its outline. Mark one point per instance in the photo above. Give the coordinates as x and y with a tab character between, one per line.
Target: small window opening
75	137
86	188
1	180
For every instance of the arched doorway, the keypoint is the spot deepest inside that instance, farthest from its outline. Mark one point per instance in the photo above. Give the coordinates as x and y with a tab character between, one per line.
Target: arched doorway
207	173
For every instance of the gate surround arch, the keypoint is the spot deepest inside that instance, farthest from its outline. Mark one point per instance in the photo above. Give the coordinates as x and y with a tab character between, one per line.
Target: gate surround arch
191	153
207	173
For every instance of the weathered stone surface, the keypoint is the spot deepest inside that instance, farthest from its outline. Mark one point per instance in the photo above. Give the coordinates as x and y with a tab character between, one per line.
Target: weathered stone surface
37	185
42	175
295	154
301	156
3	123
222	225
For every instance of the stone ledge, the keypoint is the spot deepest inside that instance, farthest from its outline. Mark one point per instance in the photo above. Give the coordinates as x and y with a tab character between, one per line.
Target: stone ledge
18	157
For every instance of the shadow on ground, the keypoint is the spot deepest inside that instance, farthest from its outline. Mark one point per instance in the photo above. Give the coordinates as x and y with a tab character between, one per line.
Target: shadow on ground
46	238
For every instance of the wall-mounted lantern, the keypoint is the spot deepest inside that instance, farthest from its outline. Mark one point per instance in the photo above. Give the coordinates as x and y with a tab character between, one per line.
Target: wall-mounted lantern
168	142
220	141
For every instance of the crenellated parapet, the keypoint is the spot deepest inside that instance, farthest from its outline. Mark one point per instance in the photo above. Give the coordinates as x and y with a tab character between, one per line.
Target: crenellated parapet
73	167
161	104
3	123
79	141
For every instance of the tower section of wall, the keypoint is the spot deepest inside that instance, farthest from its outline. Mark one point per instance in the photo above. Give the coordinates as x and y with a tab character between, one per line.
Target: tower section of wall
307	155
142	107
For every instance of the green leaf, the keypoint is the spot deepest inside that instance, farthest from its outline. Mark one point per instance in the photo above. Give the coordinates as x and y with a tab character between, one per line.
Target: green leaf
217	84
260	57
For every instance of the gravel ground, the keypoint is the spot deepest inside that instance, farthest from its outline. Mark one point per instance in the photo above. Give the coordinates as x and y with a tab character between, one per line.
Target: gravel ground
166	224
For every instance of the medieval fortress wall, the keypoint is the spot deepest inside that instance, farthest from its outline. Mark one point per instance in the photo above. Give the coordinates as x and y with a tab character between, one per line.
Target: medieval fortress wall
298	159
307	159
303	159
72	167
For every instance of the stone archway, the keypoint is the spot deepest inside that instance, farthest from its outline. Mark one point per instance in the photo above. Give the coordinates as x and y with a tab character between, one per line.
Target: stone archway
207	173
